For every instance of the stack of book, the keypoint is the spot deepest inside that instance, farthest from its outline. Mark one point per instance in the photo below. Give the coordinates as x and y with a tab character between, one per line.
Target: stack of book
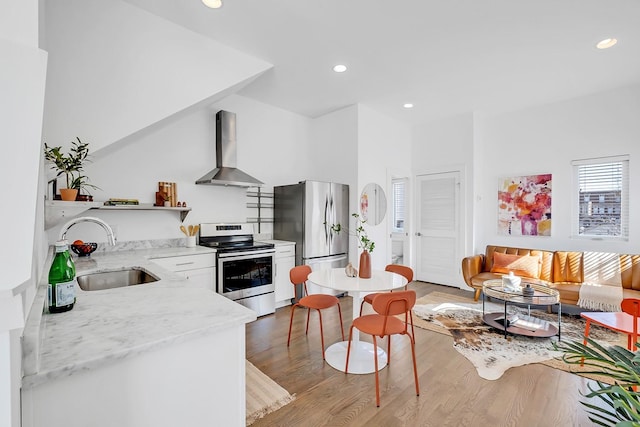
121	202
524	321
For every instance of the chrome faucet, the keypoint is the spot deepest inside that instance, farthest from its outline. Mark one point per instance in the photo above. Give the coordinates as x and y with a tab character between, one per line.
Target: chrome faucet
110	236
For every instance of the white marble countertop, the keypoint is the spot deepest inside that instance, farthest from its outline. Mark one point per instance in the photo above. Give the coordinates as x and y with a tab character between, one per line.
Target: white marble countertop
111	324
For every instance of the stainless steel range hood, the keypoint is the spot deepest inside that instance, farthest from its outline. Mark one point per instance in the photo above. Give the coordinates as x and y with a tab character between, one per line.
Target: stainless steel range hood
226	171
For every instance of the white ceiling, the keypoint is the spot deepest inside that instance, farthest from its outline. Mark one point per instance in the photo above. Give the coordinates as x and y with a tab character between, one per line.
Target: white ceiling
445	56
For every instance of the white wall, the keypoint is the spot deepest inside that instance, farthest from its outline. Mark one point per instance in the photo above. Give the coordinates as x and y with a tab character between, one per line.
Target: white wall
333	153
546	139
272	147
22	83
447	145
384	147
116	69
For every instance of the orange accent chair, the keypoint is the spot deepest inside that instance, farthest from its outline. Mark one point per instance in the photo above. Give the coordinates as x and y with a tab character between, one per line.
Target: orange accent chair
387	306
402	270
298	276
625	321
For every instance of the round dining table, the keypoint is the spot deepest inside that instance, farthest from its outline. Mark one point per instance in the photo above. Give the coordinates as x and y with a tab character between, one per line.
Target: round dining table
361	359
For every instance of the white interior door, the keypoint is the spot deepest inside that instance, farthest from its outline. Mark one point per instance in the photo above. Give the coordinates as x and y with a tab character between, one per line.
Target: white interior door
438	225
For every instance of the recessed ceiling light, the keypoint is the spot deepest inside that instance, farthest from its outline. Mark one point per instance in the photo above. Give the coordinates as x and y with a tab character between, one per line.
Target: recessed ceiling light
213	4
606	43
340	68
408	105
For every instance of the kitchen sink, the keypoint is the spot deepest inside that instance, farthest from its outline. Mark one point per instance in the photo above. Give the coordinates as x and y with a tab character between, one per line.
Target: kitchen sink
115	279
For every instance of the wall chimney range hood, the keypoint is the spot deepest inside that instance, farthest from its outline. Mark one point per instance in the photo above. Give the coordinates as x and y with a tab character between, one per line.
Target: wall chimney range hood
226	171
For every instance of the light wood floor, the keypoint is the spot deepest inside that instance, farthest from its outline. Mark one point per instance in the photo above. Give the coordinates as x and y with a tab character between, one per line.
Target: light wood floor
451	392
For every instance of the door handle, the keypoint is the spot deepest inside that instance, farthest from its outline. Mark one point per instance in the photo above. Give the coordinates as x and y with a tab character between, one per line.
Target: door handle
418	234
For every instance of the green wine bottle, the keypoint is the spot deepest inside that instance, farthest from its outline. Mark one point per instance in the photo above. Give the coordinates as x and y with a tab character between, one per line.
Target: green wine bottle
62	280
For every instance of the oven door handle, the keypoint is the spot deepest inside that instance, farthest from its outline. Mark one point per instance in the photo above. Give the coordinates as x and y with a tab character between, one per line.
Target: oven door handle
246	253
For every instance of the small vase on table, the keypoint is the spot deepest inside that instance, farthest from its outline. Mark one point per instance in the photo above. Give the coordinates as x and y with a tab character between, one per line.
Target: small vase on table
365	265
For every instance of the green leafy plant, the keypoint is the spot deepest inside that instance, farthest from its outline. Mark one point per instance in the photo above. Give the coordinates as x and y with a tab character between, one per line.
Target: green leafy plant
71	164
621	399
361	234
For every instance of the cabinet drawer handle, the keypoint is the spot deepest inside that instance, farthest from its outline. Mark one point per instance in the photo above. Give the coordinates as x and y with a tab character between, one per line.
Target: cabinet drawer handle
185	263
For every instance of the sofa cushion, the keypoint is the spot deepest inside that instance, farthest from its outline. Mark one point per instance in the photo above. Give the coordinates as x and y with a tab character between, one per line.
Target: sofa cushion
520	265
545	256
630	272
568	267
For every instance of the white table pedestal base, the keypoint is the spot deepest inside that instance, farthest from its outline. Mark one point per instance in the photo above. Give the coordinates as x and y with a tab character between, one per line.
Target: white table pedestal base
360	359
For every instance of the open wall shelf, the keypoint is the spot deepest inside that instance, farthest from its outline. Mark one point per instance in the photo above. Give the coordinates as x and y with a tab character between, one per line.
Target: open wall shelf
260	201
57	211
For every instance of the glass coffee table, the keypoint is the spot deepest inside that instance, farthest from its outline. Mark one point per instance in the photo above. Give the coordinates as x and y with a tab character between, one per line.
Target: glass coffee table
519	323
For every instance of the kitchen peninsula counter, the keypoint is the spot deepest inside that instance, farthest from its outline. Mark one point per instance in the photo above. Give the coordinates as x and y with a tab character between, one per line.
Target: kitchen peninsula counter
107	327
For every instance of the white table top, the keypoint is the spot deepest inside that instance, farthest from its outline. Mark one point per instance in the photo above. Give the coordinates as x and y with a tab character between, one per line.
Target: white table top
337	279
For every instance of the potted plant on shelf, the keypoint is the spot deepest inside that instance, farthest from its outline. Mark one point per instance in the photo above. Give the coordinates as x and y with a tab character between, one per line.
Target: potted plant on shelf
80	183
71	166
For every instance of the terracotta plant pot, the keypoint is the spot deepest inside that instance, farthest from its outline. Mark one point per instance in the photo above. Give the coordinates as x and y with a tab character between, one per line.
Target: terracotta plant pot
68	194
365	265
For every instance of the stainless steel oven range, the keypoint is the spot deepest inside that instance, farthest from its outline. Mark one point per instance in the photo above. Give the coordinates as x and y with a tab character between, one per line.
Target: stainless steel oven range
244	267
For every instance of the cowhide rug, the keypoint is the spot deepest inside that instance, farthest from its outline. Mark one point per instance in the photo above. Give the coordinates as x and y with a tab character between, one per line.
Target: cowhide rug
487	349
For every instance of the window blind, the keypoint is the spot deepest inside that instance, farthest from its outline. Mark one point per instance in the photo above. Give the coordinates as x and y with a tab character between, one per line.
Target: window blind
603	197
398	206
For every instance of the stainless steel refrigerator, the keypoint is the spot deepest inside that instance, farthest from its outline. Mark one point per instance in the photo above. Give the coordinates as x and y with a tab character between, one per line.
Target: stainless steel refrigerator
308	214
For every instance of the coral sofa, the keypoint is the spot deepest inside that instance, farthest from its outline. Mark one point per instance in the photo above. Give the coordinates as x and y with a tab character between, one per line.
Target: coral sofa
565	271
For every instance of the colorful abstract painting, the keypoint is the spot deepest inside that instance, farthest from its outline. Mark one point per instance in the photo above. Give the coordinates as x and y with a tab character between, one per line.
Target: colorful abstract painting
524	205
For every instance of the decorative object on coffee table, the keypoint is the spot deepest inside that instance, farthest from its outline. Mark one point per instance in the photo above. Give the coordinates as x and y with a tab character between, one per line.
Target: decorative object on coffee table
528	291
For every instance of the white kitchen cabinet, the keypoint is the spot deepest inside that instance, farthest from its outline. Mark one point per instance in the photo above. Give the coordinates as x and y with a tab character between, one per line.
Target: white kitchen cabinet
200	269
189	382
285	260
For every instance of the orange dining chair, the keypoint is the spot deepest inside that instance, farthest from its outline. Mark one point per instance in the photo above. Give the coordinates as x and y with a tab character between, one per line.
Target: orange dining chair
387	306
298	276
625	321
402	270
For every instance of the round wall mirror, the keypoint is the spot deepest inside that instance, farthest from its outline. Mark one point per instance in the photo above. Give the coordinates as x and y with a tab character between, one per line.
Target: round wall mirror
373	204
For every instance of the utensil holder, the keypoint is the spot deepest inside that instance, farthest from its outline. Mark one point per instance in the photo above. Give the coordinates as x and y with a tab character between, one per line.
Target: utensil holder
191	241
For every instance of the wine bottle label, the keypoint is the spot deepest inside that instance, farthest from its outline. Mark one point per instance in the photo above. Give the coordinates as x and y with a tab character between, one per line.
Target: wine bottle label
65	293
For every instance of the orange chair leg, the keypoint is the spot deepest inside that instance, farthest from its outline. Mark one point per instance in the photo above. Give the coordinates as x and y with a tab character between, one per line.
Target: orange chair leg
375	358
415	366
413	332
321	333
477	294
587	327
308	315
346	365
293	309
388	349
341	327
